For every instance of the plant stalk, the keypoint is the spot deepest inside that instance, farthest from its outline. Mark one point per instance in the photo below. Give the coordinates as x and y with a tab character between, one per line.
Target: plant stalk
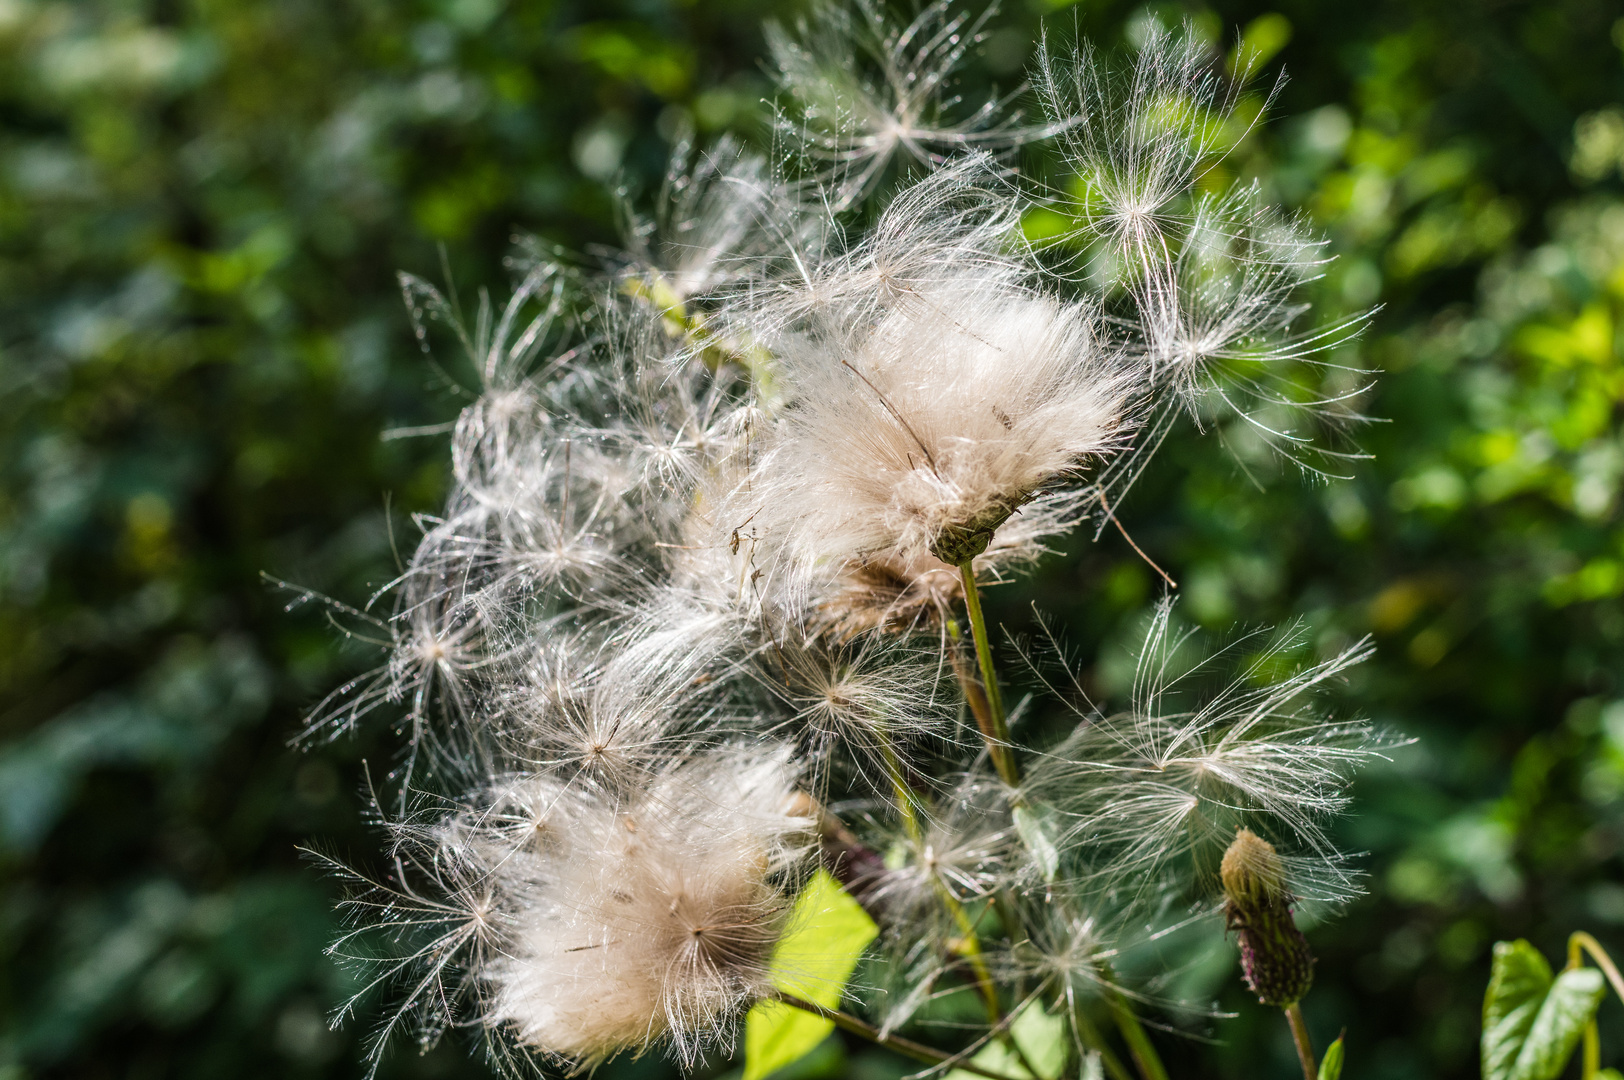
1133	1033
1090	1035
1580	943
907	1047
998	745
966	673
1583	941
971	949
899	787
1305	1045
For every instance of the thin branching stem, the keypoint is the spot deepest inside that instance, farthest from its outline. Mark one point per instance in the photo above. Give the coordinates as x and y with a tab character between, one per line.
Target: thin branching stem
1133	1033
970	942
906	799
970	948
974	696
1095	1041
1581	941
998	744
906	1047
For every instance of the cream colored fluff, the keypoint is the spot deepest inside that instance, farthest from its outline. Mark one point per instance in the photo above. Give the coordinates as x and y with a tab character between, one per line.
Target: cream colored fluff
653	919
966	396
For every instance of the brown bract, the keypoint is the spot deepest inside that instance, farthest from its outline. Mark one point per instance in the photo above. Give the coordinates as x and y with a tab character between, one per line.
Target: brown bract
891	596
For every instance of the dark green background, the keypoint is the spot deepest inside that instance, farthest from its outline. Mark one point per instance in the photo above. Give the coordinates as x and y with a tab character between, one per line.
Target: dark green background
202	207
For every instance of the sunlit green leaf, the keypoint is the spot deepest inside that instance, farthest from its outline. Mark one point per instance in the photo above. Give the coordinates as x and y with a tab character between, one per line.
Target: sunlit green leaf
1532	1021
1041	1038
828	932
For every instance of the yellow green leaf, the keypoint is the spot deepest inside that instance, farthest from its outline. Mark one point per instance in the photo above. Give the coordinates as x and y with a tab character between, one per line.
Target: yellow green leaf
1041	1037
828	931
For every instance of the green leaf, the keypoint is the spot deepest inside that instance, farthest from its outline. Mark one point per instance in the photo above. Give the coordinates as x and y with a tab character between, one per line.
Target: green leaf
1570	1005
1331	1064
828	931
1041	1037
1532	1021
776	1035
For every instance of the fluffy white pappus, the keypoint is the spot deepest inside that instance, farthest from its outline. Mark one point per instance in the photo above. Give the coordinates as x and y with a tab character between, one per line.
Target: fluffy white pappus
425	930
923	435
863	92
1210	275
1159	787
958	846
652	919
723	218
961	218
889	595
501	347
946	857
566	499
1232	283
856	707
710	509
679	431
608	711
550	529
1139	139
1219	331
443	655
1070	943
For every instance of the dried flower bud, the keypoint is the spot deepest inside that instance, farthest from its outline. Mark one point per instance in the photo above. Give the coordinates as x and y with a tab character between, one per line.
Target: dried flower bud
1274	954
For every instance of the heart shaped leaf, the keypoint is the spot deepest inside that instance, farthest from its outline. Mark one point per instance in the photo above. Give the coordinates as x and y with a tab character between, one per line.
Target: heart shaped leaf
1532	1020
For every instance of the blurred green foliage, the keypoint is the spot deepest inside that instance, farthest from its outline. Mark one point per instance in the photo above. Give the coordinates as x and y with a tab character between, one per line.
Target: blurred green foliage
207	377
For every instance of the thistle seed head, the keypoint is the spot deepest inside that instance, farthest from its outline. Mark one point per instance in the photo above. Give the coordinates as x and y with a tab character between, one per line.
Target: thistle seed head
724	493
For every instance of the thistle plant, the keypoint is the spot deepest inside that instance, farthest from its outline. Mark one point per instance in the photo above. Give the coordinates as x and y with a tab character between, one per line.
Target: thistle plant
703	710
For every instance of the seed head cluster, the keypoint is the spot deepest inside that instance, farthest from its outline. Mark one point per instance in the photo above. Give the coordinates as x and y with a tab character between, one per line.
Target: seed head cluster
701	613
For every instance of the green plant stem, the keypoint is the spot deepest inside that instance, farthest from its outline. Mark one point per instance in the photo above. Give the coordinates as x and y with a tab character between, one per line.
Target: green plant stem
1305	1045
899	787
906	1047
998	745
971	949
973	694
1090	1035
1133	1033
1581	941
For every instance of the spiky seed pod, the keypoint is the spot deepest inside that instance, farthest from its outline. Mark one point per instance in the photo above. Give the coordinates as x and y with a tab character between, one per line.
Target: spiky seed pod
1257	906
